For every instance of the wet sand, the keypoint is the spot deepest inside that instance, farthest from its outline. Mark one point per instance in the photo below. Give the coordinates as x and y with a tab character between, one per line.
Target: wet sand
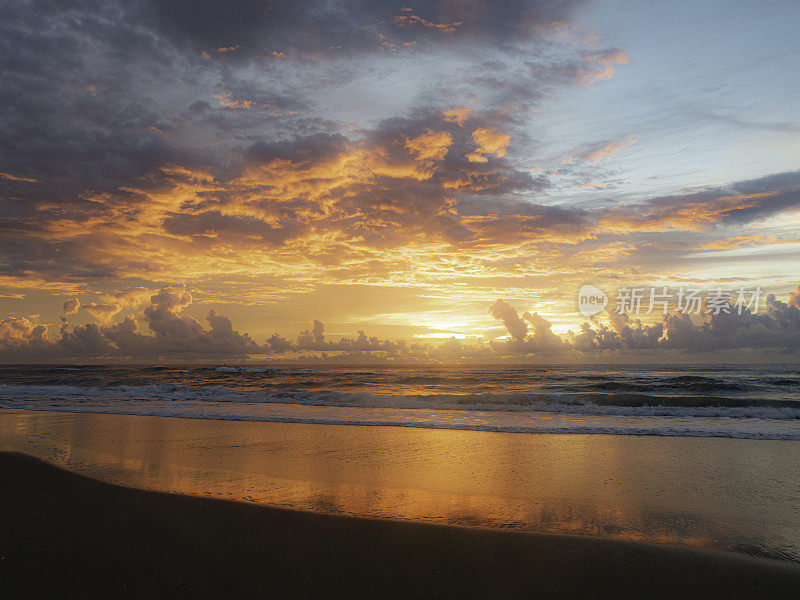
738	495
65	535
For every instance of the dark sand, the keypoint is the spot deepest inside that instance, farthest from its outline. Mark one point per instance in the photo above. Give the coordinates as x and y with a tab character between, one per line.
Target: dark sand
65	535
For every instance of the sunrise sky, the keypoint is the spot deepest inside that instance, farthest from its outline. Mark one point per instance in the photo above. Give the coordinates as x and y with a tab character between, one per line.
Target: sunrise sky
192	178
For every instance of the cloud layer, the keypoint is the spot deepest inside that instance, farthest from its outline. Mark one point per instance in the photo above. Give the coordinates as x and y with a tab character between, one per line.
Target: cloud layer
176	335
268	156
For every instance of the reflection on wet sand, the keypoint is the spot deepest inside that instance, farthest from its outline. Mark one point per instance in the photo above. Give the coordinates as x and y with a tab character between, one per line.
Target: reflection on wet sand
721	493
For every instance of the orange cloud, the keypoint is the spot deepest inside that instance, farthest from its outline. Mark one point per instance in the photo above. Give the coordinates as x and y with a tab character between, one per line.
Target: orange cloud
29	281
605	59
104	313
741	241
680	214
457	114
225	101
612	57
11	177
365	211
586	77
71	306
490	141
411	19
19	330
606	149
474	157
430	145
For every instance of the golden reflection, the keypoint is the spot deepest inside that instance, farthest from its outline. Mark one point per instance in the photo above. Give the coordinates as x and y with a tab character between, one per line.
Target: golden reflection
628	487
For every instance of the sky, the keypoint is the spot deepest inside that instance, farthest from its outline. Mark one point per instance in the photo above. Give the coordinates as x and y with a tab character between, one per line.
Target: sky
396	181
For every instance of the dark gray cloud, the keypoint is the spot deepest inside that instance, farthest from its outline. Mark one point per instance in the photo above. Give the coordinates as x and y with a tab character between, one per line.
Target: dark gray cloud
173	334
735	204
320	28
99	97
776	325
529	334
71	119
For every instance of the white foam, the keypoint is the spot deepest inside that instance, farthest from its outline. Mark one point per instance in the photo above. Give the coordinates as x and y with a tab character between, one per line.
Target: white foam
262	370
440	411
577	404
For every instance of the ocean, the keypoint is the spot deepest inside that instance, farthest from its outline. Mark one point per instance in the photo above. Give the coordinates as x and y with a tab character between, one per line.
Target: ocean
737	401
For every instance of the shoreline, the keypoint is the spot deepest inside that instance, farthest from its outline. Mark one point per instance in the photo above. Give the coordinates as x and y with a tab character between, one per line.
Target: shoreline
71	536
537	422
652	489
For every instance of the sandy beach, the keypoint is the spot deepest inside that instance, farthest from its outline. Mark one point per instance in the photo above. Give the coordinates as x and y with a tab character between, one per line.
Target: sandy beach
737	495
66	535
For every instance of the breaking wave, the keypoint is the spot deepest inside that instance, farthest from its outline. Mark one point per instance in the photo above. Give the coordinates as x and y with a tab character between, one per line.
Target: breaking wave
518	412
